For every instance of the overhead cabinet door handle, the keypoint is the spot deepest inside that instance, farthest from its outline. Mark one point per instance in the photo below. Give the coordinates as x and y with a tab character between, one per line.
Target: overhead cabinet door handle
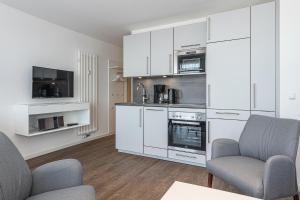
170	63
147	64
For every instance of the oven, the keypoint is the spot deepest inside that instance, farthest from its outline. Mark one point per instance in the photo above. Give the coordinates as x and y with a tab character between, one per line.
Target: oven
187	132
190	61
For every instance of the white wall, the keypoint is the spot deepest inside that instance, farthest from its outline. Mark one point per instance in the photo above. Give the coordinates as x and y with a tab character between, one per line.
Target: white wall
25	41
289	59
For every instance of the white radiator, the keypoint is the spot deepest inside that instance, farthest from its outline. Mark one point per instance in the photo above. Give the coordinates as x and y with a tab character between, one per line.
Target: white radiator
88	87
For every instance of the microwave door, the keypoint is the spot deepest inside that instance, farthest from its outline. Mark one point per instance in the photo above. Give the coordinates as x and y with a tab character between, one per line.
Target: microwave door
191	63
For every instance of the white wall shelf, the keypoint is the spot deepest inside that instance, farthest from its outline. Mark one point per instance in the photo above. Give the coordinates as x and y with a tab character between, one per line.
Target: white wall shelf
27	115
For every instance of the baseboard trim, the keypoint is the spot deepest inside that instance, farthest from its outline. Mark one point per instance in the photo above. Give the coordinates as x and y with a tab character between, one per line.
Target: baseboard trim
34	155
163	158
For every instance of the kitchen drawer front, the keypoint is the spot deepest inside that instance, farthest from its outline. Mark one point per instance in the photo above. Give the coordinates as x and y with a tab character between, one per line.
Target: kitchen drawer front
155	151
264	113
188	157
228	114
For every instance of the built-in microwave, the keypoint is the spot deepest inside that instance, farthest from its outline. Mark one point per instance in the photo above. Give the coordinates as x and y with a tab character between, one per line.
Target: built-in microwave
190	61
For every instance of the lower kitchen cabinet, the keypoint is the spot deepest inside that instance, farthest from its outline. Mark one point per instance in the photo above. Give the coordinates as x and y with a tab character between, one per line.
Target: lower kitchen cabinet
187	157
156	131
222	128
264	113
152	151
129	128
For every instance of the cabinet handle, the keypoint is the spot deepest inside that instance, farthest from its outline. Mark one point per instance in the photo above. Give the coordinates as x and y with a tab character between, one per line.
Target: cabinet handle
140	112
147	64
208	131
254	95
208	28
185	156
227	113
170	63
208	95
154	109
191	45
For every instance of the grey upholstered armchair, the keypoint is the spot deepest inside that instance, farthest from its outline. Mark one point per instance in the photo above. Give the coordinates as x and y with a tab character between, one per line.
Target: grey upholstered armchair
262	163
60	180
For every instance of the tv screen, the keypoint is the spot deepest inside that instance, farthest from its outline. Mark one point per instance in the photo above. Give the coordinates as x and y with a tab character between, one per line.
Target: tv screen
52	83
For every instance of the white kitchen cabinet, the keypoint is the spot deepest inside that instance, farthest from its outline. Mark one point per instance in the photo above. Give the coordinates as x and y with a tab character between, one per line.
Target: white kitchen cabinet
136	53
189	36
228	114
264	113
220	128
229	25
129	128
156	128
228	75
263	57
162	52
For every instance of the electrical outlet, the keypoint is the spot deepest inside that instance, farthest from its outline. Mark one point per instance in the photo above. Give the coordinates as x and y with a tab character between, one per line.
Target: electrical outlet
86	136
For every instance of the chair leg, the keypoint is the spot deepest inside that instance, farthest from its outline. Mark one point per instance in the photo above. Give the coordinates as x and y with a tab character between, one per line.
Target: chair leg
210	180
296	197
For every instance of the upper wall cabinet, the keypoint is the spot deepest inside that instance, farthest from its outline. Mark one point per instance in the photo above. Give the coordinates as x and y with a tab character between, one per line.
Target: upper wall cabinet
189	36
229	25
162	52
136	53
263	57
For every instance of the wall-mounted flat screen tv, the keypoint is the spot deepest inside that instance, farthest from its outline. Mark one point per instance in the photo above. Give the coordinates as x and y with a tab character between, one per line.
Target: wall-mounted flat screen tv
52	83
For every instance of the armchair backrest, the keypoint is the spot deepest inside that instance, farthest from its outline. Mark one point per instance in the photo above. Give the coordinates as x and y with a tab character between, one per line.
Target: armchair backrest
264	137
15	176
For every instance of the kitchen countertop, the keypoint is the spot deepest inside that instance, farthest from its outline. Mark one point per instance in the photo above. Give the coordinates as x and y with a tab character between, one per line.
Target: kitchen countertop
197	106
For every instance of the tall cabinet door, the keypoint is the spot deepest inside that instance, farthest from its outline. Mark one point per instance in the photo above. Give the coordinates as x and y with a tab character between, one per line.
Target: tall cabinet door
129	128
220	128
228	75
162	52
136	53
263	60
229	25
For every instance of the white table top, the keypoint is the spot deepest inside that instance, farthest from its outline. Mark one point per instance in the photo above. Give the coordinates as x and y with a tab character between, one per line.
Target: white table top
184	191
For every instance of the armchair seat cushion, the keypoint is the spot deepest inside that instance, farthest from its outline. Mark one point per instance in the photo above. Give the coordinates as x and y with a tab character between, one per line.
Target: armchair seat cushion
242	172
74	193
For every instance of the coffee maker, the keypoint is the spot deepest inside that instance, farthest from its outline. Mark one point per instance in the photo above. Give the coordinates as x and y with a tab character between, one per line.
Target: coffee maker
159	91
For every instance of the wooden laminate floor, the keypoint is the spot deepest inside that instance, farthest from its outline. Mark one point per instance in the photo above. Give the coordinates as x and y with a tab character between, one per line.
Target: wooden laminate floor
119	176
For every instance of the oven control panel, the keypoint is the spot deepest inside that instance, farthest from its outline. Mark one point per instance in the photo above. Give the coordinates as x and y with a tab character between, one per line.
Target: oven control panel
188	116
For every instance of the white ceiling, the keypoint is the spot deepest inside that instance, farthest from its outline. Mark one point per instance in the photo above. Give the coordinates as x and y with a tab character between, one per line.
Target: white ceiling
109	20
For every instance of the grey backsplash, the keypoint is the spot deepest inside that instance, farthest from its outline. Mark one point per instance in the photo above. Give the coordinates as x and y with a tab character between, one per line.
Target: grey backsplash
191	88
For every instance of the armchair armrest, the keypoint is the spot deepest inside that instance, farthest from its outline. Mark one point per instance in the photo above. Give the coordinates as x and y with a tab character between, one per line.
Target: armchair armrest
280	177
56	175
225	147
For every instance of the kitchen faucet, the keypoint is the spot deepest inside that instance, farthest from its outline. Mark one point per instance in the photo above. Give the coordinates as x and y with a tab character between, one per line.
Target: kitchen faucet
144	92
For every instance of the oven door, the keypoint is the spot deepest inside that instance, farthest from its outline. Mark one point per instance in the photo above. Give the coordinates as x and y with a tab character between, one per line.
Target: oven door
189	62
189	136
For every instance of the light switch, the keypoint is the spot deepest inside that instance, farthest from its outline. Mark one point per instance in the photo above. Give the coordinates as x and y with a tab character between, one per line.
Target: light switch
292	96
